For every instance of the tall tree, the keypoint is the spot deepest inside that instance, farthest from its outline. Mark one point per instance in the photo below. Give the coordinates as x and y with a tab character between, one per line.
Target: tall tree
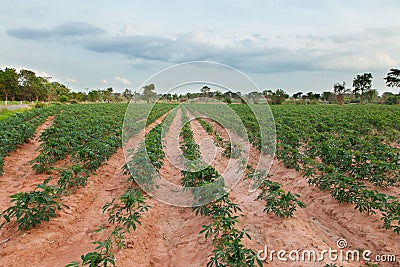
390	99
9	84
4	91
313	96
371	95
326	96
32	87
278	97
297	95
218	94
148	92
127	94
340	89
94	96
41	87
362	84
205	91
393	78
268	94
108	93
57	89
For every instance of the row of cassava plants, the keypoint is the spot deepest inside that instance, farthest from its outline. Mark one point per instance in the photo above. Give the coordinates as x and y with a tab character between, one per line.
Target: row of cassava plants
231	149
346	151
71	128
339	149
18	128
97	137
281	203
124	212
226	238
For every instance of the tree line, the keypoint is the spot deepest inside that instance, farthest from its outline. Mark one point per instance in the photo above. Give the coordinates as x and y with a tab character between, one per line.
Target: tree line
360	92
25	85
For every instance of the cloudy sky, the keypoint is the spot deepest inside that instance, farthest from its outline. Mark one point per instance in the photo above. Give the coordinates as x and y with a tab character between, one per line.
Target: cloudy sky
295	45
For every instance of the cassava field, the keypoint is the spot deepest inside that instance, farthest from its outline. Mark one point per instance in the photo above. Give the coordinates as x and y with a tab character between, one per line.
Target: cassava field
70	194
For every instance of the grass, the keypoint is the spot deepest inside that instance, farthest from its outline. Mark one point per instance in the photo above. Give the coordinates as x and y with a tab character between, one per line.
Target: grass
4	113
13	102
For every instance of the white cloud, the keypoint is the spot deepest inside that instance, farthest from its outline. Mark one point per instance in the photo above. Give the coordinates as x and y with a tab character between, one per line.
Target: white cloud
67	29
122	80
129	30
71	80
268	39
104	81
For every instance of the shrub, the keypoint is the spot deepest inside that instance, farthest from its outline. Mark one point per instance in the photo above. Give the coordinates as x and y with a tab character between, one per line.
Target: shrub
63	98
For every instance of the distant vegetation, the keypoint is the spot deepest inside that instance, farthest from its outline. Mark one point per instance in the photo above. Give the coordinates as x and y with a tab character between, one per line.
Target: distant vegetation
25	85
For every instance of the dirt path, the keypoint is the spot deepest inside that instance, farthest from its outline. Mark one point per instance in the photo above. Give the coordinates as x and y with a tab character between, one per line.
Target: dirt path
172	165
18	175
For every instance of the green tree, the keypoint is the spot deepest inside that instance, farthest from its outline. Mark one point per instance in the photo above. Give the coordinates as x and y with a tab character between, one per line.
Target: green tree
267	93
393	78
63	98
228	100
108	94
94	96
9	84
148	92
57	89
313	96
278	97
218	95
32	87
340	89
127	94
78	96
371	95
297	95
362	84
326	96
390	99
205	91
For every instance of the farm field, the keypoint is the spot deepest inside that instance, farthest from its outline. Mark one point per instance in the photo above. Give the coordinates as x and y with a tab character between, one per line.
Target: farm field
70	194
5	113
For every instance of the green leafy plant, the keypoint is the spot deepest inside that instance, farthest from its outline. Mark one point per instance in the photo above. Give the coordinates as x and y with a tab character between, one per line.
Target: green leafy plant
280	203
232	150
128	211
34	207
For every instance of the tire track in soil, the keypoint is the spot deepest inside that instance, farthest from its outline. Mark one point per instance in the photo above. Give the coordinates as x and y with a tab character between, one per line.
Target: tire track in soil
317	226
